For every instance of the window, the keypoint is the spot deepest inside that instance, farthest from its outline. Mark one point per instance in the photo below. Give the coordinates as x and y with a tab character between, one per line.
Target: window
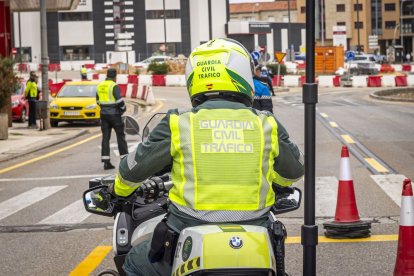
159	14
155	49
302	9
26	54
75	16
78	52
357	7
340	8
389	7
271	19
341	24
358	25
390	24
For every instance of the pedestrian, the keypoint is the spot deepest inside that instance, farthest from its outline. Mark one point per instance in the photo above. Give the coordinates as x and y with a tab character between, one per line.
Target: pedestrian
83	73
32	96
112	106
225	157
262	97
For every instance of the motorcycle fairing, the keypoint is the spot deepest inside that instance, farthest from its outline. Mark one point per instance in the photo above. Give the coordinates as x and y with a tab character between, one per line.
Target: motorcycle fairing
210	247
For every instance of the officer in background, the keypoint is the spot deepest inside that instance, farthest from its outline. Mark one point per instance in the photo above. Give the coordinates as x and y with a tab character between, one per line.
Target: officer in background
31	94
108	97
83	73
262	98
215	181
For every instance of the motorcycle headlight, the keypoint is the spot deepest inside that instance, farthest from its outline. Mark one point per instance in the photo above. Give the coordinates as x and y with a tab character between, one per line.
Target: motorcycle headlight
15	103
91	106
54	106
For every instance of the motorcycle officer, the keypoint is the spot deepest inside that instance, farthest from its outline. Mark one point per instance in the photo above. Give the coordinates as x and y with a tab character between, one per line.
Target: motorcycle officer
224	156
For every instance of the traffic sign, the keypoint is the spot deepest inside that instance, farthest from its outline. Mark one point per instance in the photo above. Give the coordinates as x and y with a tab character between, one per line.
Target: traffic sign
350	55
14	51
279	56
373	42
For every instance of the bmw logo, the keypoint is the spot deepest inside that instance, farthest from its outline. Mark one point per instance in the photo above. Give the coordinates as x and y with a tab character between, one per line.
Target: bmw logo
236	242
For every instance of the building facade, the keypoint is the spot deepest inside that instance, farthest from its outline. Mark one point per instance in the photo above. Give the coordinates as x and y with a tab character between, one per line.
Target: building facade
108	31
362	19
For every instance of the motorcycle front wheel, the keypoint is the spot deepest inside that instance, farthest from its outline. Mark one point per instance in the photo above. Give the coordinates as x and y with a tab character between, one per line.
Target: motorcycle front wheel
108	272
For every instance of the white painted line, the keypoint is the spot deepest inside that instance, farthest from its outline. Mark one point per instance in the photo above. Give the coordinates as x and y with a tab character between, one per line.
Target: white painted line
71	214
327	191
50	178
21	201
324	115
391	184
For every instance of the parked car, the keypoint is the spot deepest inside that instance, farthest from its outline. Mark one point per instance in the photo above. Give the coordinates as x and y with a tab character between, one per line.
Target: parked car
75	101
158	59
20	107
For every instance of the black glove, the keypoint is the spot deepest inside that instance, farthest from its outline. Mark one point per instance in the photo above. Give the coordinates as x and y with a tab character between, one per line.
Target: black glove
152	189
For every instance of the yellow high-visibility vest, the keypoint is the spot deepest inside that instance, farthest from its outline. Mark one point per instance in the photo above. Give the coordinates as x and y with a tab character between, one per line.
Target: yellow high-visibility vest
105	92
223	159
31	89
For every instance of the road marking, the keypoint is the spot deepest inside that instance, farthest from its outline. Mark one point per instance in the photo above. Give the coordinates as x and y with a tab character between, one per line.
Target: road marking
48	154
50	178
327	191
333	124
391	184
376	165
21	201
73	213
348	139
324	115
323	239
91	262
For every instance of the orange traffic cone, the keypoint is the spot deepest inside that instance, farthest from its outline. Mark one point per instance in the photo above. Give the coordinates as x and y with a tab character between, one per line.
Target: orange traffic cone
347	223
404	264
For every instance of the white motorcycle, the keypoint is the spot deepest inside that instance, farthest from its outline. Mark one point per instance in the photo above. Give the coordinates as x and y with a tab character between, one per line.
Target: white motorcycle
210	249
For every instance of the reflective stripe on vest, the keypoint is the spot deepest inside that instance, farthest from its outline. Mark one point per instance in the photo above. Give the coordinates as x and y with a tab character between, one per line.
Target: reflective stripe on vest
31	89
105	92
223	159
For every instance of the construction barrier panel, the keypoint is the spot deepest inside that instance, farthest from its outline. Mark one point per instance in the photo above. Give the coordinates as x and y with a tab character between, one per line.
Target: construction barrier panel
123	88
337	81
291	67
397	67
133	79
122	78
175	80
158	80
291	80
374	81
90	66
277	80
55	87
359	81
410	80
95	76
102	77
400	80
388	81
326	81
406	67
145	80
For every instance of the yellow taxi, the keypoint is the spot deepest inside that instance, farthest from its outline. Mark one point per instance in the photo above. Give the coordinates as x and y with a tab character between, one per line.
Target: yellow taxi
76	101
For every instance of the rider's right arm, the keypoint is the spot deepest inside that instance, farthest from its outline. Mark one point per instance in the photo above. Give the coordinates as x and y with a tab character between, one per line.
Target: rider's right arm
149	158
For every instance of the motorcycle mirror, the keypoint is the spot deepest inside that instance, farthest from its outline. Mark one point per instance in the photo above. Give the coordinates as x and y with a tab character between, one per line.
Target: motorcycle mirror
90	206
131	125
289	203
145	133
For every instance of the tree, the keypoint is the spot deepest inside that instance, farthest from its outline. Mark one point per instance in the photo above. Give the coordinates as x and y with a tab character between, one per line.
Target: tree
8	82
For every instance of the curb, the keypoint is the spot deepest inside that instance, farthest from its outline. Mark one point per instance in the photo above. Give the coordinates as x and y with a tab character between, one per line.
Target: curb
387	95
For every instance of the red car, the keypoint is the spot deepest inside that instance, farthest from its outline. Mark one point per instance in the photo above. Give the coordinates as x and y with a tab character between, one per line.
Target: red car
20	107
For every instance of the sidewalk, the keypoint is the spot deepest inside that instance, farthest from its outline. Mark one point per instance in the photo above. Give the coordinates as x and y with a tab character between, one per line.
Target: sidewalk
23	140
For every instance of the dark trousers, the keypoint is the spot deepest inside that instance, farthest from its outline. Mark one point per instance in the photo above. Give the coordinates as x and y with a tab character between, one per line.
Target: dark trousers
32	113
109	122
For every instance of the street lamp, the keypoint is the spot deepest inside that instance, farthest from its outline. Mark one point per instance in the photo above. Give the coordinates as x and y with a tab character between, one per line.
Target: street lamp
254	7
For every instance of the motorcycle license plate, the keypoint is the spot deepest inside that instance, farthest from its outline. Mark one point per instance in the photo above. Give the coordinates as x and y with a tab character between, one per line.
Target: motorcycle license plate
71	113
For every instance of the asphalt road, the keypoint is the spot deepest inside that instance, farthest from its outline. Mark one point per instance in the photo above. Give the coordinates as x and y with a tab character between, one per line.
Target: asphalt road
44	231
